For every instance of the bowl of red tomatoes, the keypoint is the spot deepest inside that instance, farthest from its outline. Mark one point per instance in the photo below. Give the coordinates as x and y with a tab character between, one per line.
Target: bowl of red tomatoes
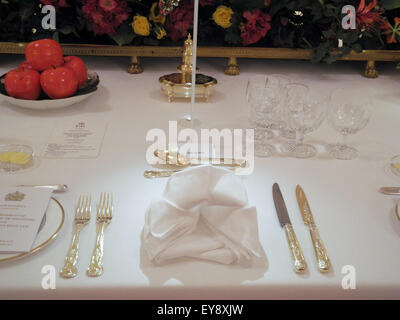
47	79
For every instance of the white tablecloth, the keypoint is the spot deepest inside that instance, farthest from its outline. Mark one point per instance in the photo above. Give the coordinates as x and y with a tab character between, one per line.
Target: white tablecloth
356	222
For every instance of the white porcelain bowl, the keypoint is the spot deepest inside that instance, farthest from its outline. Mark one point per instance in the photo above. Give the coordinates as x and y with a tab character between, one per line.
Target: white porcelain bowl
46	103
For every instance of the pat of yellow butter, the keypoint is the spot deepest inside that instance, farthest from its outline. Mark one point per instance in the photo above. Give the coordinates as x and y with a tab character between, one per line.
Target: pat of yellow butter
14	157
396	166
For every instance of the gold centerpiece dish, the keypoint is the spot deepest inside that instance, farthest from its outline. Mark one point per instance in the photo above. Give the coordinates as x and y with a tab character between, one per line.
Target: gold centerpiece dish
179	84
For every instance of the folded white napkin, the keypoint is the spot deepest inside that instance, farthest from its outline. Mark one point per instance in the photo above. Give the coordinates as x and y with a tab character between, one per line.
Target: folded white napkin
204	214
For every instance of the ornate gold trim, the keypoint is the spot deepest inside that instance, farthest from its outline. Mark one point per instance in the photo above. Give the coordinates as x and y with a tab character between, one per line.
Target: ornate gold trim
370	70
299	262
232	53
43	244
209	52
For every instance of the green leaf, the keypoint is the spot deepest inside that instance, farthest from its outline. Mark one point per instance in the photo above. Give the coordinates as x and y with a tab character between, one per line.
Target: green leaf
56	36
124	35
390	4
357	47
276	7
123	39
66	30
232	37
328	33
27	11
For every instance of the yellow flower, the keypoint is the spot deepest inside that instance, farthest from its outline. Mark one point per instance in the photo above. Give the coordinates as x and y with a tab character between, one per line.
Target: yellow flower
141	26
156	18
222	16
160	32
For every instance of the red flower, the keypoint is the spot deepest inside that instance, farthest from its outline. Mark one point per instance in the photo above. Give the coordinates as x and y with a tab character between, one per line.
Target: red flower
55	3
105	16
180	20
365	17
258	24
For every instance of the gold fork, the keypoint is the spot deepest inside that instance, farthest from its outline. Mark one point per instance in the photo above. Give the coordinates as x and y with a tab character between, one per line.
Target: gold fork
81	219
103	219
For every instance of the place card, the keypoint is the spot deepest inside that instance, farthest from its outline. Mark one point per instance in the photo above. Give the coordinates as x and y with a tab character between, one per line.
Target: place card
21	212
76	140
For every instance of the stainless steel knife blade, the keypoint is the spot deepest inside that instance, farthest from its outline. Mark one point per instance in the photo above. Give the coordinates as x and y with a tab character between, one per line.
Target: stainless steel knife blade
280	205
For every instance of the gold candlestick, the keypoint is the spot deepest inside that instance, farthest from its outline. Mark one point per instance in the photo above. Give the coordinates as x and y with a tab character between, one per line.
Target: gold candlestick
187	61
178	85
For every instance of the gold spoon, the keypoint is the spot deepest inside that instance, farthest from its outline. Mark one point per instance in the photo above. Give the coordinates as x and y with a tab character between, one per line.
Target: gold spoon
181	161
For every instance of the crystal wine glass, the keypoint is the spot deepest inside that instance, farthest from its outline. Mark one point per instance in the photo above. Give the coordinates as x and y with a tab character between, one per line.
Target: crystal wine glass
304	114
279	81
348	114
263	94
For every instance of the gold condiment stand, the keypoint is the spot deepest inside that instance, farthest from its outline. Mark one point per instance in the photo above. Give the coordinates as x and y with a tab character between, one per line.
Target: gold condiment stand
179	85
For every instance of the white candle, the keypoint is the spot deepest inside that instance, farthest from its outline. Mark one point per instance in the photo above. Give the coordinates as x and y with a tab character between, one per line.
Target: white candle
194	62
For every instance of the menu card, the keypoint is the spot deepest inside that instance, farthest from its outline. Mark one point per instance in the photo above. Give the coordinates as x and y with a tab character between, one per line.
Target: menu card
21	212
76	140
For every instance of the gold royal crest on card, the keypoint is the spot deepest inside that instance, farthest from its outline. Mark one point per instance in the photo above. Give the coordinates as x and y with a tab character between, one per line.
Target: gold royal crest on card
16	196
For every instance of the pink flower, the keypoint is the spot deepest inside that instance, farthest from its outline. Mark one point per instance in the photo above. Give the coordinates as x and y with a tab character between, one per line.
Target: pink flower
108	5
180	21
105	16
257	26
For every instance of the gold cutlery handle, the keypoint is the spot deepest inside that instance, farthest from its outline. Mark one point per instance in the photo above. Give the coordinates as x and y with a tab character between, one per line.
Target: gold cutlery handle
70	270
96	264
151	174
320	252
299	262
220	162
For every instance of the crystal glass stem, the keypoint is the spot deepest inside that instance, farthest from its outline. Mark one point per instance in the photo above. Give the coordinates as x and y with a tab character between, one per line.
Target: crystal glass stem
299	137
344	135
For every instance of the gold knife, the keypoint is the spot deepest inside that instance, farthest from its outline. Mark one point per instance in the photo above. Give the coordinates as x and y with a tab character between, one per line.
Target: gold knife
320	252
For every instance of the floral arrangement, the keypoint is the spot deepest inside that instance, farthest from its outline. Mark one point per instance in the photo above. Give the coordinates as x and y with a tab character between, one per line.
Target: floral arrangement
312	24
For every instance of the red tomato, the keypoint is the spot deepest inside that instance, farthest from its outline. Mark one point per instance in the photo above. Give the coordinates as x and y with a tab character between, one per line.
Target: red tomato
25	66
44	54
23	84
77	65
59	82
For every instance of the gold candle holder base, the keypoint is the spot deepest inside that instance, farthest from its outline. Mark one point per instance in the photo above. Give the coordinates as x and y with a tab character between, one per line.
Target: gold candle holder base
173	87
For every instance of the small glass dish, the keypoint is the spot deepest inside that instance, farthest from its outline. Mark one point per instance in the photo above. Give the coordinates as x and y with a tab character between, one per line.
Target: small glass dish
395	165
15	157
